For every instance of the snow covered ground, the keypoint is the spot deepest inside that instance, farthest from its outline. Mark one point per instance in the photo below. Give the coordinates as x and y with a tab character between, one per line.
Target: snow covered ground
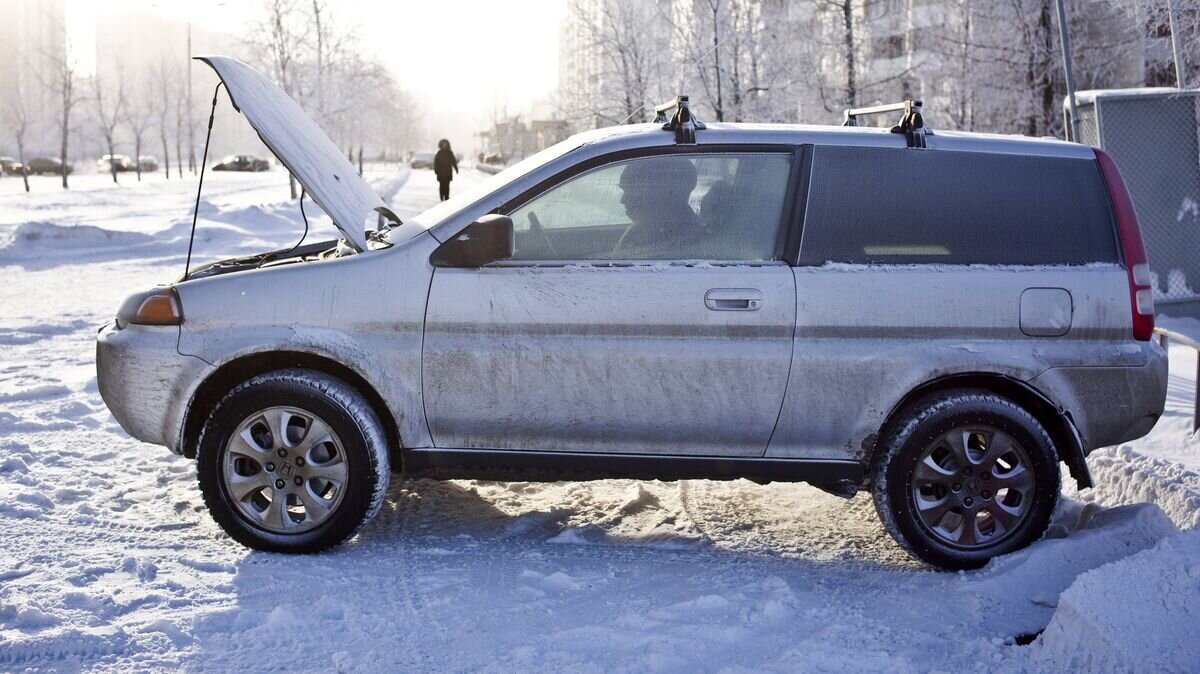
108	561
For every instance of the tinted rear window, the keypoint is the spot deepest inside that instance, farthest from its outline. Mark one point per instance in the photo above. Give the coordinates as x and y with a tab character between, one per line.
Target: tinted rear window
904	206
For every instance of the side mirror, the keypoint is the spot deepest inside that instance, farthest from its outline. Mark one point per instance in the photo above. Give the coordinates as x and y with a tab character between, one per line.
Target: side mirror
486	240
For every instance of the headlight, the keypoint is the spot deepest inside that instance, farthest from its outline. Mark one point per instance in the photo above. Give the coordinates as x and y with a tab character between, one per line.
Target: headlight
155	307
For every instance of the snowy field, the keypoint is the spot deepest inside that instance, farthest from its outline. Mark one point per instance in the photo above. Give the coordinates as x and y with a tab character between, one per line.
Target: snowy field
109	562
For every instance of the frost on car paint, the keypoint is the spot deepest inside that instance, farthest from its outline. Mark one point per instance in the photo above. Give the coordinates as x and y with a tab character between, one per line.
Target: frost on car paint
637	307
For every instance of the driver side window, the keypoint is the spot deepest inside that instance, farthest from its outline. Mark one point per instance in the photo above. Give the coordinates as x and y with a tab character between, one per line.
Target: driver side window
670	207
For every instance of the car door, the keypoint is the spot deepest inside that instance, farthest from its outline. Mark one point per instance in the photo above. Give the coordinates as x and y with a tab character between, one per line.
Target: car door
645	310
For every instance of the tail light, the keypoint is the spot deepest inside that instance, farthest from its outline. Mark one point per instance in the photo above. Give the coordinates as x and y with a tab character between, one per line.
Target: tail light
1141	294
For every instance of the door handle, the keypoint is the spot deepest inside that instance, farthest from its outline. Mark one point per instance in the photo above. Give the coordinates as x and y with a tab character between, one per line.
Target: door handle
733	299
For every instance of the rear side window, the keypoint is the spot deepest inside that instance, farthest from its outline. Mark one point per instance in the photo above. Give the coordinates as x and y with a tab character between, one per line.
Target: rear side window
904	206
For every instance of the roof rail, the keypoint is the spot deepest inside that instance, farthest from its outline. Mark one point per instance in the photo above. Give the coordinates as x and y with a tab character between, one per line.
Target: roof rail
912	123
682	122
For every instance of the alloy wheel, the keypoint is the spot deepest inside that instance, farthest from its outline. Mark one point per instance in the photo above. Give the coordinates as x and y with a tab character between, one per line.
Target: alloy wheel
284	469
973	486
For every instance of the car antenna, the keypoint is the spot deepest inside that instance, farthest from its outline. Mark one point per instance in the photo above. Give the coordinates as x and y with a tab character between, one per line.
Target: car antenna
200	188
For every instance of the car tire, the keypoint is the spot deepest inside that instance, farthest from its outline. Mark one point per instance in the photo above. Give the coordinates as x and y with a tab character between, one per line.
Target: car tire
963	476
305	488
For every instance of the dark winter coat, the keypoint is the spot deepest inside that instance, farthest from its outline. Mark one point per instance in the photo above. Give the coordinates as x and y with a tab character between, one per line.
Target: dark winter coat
445	165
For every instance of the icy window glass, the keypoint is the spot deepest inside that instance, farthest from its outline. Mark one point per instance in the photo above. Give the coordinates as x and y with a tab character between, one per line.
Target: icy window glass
902	206
673	207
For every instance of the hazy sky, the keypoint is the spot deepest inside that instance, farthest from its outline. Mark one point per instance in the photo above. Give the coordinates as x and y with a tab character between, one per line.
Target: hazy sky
460	57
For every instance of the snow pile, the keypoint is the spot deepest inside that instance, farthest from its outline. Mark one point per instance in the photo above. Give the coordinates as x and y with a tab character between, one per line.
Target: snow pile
1125	476
1138	614
112	563
239	214
40	238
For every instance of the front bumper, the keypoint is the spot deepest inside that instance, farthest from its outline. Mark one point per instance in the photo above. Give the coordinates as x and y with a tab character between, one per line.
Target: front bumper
146	382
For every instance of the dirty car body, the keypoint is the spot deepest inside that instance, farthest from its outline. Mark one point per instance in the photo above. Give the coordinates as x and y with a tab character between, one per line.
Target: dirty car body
750	336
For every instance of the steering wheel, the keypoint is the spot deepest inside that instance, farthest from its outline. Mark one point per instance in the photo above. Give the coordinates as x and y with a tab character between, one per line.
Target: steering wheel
623	240
535	227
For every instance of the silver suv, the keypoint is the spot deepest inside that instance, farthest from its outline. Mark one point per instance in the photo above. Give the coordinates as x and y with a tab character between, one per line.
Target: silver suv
937	318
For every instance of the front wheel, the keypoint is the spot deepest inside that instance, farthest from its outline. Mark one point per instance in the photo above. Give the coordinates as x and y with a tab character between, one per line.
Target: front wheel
292	461
964	476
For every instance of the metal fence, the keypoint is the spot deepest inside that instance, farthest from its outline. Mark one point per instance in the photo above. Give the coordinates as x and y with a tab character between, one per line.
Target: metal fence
1152	135
1165	337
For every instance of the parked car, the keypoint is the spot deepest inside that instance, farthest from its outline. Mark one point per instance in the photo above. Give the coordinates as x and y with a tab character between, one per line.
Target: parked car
123	163
47	166
10	166
422	160
638	302
491	163
148	162
242	162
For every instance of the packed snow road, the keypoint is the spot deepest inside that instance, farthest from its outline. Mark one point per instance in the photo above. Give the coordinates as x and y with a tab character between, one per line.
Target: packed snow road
109	562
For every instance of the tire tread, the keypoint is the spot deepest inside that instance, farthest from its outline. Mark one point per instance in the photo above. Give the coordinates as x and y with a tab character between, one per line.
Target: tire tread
896	439
355	406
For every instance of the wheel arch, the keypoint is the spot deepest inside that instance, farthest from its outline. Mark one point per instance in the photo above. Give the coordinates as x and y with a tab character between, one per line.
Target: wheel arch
1057	422
242	368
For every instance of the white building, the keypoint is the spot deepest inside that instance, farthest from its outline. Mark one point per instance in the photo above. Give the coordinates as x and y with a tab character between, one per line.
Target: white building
33	41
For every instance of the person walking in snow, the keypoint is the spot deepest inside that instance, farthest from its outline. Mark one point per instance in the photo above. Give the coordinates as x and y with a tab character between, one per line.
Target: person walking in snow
444	167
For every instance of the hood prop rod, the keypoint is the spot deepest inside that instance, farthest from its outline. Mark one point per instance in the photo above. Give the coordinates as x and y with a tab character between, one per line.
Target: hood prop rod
203	162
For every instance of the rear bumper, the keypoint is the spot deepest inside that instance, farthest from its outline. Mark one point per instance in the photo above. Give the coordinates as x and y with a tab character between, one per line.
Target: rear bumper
145	381
1110	405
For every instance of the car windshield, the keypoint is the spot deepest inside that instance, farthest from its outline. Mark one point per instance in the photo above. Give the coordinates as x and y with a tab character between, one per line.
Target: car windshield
445	209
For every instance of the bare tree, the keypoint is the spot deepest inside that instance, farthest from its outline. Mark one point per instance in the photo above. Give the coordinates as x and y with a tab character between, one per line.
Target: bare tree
314	59
181	123
63	83
396	122
360	90
625	38
1003	61
278	39
109	98
331	48
15	115
139	116
866	40
700	31
1153	20
165	90
851	49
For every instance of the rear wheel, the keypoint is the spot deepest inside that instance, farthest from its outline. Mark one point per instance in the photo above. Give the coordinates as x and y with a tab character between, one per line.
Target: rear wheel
292	461
964	476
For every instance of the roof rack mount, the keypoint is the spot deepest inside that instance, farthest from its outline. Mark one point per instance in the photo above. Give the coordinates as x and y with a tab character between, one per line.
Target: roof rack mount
682	122
912	123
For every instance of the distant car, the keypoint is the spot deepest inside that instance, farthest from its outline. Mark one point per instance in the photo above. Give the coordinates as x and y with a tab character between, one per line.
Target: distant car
148	162
50	166
123	163
242	162
491	163
10	166
422	160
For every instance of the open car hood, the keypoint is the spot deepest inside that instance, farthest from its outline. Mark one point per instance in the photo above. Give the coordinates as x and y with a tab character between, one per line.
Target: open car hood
324	172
